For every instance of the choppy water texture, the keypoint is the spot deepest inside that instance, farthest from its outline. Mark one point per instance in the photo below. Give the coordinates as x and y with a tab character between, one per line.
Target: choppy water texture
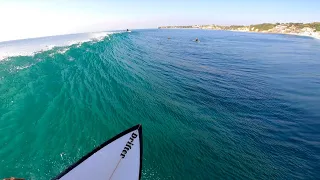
233	106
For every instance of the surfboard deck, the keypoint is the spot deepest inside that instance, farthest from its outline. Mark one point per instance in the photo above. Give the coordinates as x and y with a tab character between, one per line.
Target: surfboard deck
118	158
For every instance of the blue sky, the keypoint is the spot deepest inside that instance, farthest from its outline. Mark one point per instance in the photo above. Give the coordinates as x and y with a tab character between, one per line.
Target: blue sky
34	18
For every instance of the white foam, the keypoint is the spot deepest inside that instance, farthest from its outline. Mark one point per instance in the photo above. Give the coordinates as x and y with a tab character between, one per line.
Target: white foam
23	67
30	47
63	50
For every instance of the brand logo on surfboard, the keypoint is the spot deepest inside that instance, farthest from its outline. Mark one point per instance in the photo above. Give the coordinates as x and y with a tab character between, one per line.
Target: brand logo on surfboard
128	145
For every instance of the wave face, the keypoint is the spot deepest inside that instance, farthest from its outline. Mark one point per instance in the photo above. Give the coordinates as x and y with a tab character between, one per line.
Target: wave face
233	106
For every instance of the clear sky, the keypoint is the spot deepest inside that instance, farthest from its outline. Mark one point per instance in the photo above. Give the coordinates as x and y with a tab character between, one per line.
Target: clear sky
35	18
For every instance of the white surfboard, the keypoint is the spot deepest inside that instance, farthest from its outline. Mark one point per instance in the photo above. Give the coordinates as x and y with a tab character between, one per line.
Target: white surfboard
119	158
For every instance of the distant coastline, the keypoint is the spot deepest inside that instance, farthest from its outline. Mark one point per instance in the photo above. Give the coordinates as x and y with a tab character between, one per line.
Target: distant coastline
299	29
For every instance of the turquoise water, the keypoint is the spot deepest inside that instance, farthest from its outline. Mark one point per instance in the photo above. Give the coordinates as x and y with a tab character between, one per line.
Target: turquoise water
233	106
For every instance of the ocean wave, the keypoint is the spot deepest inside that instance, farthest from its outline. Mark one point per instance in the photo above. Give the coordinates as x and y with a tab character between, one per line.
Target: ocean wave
30	47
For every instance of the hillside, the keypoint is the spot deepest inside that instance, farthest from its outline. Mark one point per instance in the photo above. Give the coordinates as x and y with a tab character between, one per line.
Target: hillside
303	29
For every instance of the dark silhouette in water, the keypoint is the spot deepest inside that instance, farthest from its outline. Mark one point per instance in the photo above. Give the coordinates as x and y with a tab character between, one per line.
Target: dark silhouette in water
196	40
169	37
127	30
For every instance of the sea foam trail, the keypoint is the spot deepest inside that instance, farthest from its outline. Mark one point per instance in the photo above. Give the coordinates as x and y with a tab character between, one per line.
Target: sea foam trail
29	47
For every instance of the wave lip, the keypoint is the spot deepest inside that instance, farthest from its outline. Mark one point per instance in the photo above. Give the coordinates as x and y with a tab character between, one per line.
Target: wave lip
29	47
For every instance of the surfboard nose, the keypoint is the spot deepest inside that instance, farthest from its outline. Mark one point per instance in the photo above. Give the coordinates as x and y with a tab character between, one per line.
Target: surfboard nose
118	158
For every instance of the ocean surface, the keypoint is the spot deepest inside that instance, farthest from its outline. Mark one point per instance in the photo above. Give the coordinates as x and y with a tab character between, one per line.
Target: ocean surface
232	106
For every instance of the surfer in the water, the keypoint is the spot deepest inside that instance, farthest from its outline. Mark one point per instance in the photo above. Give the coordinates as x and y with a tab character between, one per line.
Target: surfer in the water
127	30
196	40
